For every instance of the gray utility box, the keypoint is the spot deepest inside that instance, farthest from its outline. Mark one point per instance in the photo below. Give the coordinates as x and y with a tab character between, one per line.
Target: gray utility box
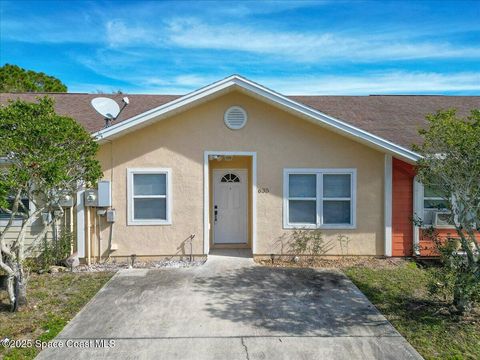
104	193
101	197
111	215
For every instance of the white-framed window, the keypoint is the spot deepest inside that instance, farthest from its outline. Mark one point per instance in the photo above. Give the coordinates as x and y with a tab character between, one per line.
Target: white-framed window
149	196
433	202
429	203
319	198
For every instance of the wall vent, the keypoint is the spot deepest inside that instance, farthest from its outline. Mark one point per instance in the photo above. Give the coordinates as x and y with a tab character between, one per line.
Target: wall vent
235	118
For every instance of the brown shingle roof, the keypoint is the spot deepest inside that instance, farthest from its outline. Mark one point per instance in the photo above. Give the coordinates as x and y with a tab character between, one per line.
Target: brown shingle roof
393	117
396	118
78	105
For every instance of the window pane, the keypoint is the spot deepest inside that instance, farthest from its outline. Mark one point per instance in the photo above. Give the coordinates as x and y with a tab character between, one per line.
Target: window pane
435	204
145	209
336	185
302	185
428	217
430	191
336	212
149	184
302	211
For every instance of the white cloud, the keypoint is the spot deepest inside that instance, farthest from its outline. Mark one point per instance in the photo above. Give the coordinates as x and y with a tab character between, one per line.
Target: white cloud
396	82
141	26
186	80
309	46
118	34
245	8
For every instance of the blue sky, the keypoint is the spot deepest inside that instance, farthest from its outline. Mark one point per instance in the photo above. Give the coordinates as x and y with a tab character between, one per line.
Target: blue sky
294	47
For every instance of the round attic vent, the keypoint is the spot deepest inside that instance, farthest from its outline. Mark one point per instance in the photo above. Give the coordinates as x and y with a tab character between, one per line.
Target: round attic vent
235	118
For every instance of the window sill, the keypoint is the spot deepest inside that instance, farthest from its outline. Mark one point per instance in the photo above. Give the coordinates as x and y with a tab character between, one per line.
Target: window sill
149	222
323	227
338	227
446	227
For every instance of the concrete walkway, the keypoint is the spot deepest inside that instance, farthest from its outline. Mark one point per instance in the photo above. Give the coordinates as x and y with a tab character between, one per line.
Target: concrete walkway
230	308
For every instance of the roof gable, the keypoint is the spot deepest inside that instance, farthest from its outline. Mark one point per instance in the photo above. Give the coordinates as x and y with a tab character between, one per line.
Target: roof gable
395	118
236	82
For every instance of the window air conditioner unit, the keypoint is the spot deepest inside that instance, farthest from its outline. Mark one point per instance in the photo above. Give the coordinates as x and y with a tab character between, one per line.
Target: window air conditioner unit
442	219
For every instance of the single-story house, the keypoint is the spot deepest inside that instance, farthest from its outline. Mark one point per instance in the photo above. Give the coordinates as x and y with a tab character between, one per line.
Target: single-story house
235	164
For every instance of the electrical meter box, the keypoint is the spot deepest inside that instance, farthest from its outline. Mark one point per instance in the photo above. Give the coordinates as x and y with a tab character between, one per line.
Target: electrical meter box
101	197
66	201
91	197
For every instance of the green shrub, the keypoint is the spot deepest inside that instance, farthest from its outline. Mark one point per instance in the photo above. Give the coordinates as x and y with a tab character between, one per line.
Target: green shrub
457	279
308	242
51	251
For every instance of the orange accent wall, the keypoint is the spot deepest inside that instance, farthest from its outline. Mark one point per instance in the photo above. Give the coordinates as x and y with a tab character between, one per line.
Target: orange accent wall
402	212
402	208
427	246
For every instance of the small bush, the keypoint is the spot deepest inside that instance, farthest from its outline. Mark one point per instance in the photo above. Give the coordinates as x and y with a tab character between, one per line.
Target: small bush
457	280
309	242
52	252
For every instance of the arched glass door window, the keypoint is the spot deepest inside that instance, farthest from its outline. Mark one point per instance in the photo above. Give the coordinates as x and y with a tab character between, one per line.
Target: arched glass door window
230	178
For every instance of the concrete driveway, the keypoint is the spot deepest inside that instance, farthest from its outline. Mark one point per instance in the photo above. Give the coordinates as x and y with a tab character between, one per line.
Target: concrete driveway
230	308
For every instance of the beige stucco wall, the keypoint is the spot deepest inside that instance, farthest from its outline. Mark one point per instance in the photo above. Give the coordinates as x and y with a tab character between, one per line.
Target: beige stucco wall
280	140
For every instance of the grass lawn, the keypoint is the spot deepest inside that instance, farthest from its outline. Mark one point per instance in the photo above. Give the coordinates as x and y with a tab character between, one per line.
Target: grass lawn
400	293
54	299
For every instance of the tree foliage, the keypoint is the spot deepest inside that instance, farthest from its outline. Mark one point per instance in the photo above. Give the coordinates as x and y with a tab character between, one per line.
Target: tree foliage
48	157
13	78
451	164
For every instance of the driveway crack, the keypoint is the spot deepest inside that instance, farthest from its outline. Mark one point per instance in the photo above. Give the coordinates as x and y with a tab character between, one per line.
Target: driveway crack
245	347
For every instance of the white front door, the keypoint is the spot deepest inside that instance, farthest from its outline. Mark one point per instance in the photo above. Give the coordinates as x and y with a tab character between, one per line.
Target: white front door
230	206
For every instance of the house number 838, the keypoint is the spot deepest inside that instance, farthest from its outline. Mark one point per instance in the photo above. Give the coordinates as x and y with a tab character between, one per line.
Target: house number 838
263	190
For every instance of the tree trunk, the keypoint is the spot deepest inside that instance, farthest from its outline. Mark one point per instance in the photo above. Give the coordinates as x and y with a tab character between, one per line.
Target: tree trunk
12	293
461	301
22	286
17	286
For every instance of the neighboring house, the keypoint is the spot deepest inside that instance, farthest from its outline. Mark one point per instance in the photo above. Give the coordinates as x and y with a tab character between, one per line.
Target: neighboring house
238	165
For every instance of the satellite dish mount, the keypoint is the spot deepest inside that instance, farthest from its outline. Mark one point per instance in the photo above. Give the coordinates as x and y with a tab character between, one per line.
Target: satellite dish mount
109	108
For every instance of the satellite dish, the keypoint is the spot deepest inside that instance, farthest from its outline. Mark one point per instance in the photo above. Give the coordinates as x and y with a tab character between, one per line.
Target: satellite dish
106	107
